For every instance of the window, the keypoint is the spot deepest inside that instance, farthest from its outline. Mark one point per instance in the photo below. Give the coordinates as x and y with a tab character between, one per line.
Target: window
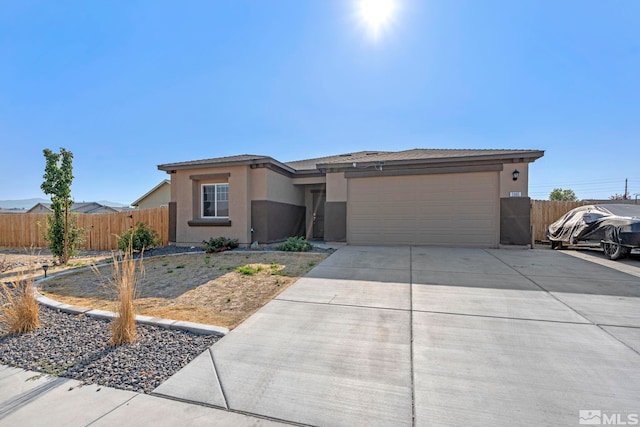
215	200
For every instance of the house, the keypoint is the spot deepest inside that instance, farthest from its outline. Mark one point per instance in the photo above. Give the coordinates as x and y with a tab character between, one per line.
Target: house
476	198
83	207
160	195
11	211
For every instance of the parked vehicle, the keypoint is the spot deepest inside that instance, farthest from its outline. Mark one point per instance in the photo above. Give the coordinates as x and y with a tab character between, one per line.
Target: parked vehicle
615	228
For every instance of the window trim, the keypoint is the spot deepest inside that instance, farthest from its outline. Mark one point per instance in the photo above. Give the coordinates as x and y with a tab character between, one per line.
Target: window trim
215	199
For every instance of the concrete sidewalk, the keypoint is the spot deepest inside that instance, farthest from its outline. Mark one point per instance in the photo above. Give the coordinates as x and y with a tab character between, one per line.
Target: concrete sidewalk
30	399
395	336
432	336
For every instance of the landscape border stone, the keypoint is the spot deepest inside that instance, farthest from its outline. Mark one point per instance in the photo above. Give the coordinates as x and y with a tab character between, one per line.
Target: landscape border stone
197	328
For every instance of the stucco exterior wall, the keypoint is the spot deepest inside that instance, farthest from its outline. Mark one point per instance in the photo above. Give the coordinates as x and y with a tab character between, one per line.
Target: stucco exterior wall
258	183
160	197
188	209
280	188
309	180
278	205
508	185
336	187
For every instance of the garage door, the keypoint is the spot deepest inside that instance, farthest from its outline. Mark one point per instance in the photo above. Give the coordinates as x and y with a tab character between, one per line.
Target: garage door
445	210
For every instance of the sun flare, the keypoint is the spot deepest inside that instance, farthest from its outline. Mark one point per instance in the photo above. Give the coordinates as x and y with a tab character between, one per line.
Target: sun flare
376	15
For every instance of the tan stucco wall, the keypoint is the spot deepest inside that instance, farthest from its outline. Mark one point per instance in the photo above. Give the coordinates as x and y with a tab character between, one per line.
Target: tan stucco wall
507	184
258	184
336	187
239	205
160	197
280	188
310	180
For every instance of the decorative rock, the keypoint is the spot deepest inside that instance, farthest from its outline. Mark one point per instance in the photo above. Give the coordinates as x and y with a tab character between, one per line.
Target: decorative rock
77	346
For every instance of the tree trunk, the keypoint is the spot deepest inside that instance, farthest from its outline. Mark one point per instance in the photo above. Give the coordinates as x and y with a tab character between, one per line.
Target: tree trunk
65	242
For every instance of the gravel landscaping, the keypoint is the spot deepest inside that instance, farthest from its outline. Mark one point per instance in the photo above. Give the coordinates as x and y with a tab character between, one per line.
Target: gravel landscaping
76	346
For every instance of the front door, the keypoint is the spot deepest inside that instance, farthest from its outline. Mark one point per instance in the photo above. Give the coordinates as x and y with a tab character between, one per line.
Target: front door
319	199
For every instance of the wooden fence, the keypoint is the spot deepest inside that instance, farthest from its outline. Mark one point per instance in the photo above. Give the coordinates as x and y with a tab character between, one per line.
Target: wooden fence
546	212
100	230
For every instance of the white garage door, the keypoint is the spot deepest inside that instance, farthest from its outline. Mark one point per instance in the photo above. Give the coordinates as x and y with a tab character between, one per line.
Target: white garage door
444	210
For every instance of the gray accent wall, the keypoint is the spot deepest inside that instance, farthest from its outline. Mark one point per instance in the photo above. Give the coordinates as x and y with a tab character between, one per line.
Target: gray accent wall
515	221
335	221
274	221
173	221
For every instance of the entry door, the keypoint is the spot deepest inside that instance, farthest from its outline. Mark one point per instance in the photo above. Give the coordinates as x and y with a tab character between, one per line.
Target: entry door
319	200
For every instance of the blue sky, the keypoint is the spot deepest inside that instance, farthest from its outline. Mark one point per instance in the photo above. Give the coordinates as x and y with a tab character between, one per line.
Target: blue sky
128	85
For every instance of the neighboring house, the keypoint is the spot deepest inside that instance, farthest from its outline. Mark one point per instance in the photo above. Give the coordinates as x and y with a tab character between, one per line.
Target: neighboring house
12	211
84	207
160	195
475	198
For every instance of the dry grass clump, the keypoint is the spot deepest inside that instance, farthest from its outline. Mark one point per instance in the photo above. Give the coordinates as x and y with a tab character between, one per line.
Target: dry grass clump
19	309
4	264
127	273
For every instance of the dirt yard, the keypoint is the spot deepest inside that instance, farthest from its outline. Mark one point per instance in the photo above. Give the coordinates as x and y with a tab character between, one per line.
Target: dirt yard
14	261
220	289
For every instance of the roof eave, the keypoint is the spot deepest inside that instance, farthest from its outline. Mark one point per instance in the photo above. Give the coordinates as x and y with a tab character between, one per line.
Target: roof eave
516	156
170	167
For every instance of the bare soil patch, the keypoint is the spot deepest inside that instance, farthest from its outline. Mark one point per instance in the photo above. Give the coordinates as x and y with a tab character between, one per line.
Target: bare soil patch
14	261
203	288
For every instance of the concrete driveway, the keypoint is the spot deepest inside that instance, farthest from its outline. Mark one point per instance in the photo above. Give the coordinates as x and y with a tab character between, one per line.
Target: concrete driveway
432	336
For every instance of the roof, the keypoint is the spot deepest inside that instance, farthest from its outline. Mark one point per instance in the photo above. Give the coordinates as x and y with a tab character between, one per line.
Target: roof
12	211
310	164
165	181
82	207
240	159
418	155
414	156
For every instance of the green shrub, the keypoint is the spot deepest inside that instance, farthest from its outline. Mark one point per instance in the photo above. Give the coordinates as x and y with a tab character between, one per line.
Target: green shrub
138	238
249	270
54	236
295	244
219	244
277	269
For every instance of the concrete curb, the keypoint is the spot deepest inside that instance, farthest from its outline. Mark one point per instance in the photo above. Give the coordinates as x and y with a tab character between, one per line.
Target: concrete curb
196	328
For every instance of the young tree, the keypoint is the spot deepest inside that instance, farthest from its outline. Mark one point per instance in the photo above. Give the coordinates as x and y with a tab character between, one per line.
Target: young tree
62	233
560	195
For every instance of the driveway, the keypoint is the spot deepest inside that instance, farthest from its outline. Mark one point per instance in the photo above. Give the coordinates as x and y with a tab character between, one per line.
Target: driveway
432	336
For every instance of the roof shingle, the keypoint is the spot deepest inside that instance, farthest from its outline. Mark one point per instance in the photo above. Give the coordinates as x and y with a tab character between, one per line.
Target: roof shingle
406	156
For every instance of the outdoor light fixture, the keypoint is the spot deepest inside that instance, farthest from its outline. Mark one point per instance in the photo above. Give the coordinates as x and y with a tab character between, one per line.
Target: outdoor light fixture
516	174
45	268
